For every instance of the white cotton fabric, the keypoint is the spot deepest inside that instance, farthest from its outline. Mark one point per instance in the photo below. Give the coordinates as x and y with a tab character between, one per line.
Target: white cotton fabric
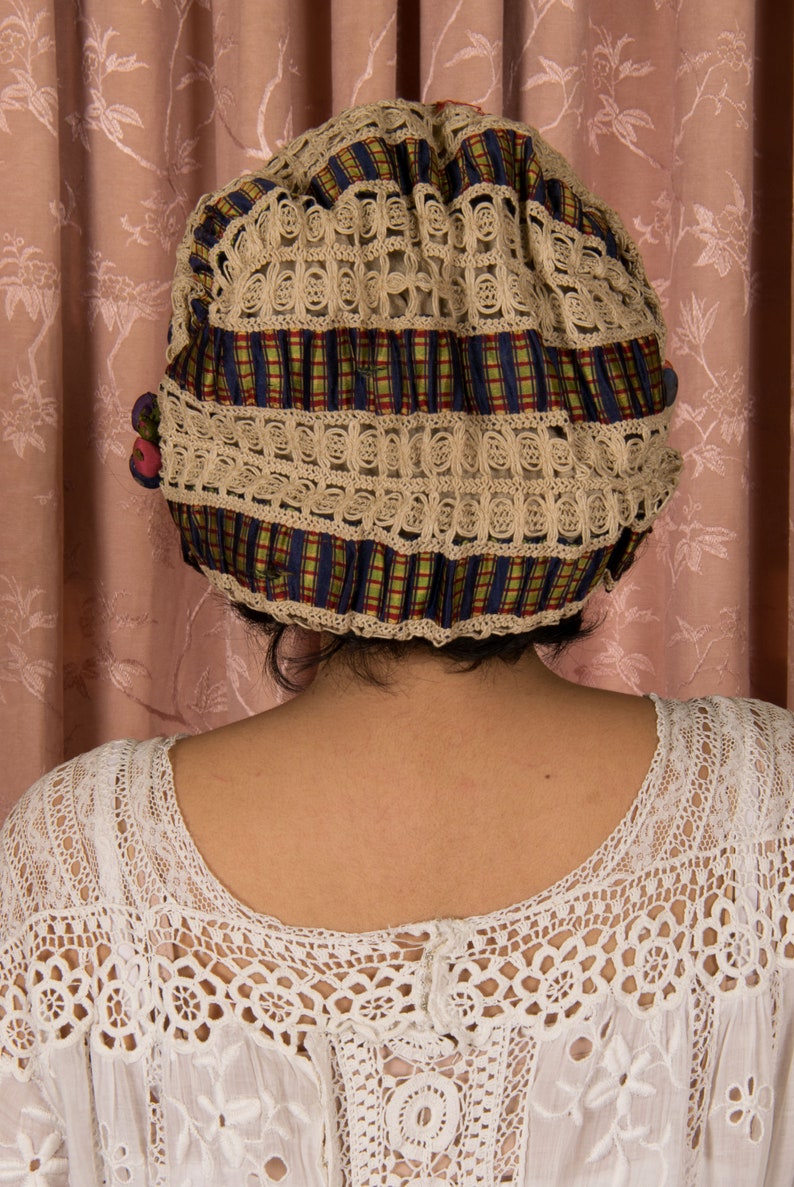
633	1024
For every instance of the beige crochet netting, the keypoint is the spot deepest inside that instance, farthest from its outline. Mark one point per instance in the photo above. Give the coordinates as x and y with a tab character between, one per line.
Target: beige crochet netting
479	264
630	1025
509	485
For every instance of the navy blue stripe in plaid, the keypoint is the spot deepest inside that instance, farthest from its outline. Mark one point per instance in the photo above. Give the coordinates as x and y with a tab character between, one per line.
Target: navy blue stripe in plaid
331	402
309	387
317	569
594	392
436	585
393	347
594	224
497	155
282	397
260	370
470	165
512	398
217	216
338	170
369	169
460	402
346	596
475	372
532	184
202	269
549	579
325	559
252	535
360	571
470	563
294	572
640	380
413	161
494	601
321	197
386	371
590	573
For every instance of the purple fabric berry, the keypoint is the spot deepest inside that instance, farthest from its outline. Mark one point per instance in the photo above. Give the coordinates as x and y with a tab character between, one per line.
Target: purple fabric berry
145	409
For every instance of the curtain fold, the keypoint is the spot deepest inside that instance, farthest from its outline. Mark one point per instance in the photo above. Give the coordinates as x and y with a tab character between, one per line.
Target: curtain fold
114	119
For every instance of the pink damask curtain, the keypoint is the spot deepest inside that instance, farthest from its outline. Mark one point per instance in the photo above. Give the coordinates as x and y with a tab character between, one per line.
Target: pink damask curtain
114	118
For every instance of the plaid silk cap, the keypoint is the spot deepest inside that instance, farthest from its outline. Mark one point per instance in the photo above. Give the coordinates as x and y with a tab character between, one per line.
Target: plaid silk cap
415	381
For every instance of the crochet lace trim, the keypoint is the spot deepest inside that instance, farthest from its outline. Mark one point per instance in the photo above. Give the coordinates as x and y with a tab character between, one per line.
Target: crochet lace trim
481	265
664	903
318	618
526	484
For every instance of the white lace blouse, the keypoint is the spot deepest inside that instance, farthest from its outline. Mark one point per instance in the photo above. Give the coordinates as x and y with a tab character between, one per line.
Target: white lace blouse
633	1024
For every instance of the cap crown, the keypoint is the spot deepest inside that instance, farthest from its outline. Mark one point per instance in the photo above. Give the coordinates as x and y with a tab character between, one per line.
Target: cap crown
415	381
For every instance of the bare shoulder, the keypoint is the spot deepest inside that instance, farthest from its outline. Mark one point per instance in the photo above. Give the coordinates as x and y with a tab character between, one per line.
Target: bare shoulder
453	815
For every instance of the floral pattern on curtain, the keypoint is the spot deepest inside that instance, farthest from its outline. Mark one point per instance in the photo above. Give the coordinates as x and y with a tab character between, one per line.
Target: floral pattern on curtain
114	118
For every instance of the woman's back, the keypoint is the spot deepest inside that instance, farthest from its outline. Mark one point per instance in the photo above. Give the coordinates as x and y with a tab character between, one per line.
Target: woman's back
354	807
477	926
629	1023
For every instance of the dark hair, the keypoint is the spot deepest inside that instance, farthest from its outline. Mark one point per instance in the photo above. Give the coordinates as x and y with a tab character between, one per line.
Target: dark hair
366	657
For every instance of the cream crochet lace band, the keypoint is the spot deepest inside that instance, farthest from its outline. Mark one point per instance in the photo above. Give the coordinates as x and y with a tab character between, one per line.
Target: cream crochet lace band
415	382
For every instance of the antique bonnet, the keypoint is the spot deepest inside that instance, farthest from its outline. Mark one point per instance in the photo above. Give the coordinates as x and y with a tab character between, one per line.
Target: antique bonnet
415	382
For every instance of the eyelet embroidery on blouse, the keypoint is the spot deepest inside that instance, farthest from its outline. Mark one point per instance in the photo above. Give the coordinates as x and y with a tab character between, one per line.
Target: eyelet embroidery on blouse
35	1159
414	1032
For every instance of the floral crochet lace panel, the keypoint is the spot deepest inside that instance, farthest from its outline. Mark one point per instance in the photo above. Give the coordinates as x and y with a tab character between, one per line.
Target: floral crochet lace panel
631	1024
528	484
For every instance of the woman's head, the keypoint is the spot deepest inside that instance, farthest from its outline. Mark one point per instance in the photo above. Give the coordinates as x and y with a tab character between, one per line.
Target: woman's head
415	384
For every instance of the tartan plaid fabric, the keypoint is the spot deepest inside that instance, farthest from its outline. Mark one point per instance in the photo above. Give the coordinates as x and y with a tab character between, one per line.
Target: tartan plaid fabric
500	156
216	216
286	564
387	372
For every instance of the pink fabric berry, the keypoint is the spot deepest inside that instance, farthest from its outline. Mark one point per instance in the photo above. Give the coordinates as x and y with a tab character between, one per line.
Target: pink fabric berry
148	458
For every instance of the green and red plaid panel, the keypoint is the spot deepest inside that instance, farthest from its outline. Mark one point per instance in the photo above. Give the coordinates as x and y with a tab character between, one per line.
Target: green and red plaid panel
570	207
483	583
423	567
371	578
513	586
294	341
474	155
309	567
315	395
564	383
458	580
364	577
387	372
394	595
338	573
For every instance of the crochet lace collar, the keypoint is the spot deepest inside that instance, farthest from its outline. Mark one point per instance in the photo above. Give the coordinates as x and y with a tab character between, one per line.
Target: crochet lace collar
594	869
